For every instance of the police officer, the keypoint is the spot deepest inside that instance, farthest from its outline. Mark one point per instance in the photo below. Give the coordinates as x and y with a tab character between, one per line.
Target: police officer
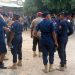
15	42
70	19
48	38
3	50
5	16
63	31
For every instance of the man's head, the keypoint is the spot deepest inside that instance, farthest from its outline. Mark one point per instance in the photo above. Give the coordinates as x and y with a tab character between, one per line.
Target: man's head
46	15
62	15
5	16
70	16
39	14
16	17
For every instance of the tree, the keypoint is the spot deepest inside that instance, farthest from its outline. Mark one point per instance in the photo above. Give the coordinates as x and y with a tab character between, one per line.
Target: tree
29	7
32	6
73	4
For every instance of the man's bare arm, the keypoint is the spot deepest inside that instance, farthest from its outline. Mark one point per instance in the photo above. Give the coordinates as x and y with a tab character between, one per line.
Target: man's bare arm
55	38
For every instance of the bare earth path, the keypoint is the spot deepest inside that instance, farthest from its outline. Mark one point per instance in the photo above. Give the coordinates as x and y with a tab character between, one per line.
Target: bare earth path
34	66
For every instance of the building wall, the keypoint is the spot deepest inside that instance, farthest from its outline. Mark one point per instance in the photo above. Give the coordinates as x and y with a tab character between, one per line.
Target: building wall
19	2
8	0
5	0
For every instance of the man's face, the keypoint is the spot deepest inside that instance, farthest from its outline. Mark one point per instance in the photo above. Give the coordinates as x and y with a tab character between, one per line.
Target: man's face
61	16
70	17
49	16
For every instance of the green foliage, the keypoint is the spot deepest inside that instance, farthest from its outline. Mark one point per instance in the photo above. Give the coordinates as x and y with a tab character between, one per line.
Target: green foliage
29	7
32	6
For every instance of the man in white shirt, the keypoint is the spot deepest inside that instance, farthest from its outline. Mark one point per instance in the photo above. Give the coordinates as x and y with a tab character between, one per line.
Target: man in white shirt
36	39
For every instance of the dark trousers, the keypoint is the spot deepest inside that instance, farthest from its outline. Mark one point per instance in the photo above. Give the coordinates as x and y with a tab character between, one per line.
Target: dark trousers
48	49
62	51
74	27
35	42
25	26
16	51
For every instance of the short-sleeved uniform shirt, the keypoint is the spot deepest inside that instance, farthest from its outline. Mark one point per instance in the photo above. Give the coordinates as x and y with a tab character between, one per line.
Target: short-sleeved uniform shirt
46	27
17	28
2	36
64	29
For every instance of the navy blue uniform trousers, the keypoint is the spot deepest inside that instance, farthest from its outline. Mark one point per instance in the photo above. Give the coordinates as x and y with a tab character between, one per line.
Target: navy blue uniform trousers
48	49
16	49
62	50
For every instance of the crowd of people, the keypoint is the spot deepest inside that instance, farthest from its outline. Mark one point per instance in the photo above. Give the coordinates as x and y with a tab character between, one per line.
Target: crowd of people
49	31
12	28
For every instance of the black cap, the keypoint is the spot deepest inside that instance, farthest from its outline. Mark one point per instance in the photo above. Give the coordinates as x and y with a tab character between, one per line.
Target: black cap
62	13
4	15
45	14
16	16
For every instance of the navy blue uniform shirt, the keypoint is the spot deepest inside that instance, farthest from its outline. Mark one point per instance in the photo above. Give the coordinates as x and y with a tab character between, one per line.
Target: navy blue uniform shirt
2	36
2	33
17	28
64	28
46	27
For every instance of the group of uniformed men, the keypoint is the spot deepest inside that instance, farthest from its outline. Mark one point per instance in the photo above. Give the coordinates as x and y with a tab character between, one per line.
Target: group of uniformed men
51	33
13	30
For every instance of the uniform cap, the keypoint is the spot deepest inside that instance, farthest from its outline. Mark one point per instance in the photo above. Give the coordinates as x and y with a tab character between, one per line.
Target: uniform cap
4	15
16	16
62	13
45	14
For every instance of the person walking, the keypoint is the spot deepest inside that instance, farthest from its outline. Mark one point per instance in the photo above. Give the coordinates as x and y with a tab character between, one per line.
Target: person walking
36	40
15	42
48	41
3	50
64	30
